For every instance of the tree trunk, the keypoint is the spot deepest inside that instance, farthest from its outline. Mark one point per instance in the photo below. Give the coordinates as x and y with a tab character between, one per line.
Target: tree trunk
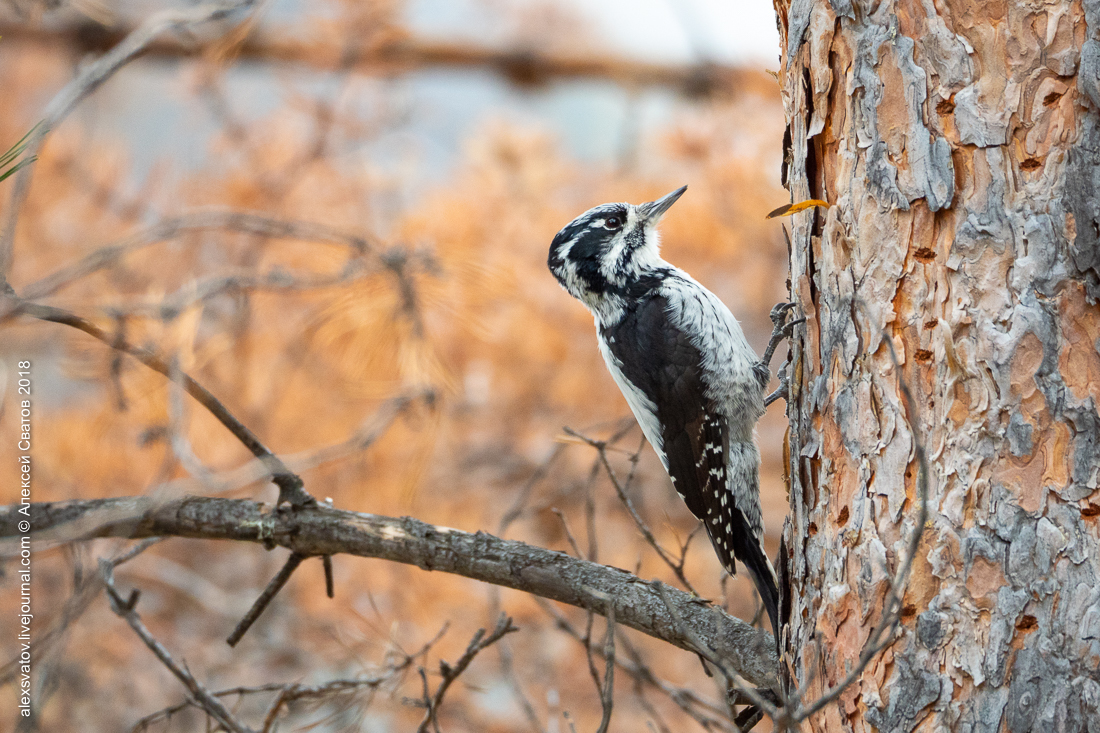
958	146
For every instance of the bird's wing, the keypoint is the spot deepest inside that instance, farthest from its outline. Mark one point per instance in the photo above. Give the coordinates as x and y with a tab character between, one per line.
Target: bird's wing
663	376
661	373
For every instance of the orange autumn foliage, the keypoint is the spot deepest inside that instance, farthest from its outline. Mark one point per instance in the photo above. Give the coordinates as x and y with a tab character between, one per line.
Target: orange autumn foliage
454	296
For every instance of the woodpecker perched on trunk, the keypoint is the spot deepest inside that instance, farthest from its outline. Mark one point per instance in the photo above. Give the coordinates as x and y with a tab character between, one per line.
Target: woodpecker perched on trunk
683	365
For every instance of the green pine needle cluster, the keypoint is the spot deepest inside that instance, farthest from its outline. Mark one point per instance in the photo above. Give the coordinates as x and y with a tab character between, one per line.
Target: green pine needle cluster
9	160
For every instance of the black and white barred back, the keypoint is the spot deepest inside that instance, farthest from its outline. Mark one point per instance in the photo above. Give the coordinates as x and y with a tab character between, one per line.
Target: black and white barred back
683	364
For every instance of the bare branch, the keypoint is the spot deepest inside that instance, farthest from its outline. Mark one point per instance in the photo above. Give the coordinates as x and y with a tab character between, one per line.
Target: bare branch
87	81
200	291
265	598
606	688
698	708
237	478
404	54
292	693
125	609
716	655
607	694
291	488
87	590
177	423
524	494
450	674
568	532
393	671
244	222
322	530
587	640
286	694
677	566
590	514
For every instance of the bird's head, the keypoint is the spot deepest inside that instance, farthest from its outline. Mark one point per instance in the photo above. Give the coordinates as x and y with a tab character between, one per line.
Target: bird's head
611	253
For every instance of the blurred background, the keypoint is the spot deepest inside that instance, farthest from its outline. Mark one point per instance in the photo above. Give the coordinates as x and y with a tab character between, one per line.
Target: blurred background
444	143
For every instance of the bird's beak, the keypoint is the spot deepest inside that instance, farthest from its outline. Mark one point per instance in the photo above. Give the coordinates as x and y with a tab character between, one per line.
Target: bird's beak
652	212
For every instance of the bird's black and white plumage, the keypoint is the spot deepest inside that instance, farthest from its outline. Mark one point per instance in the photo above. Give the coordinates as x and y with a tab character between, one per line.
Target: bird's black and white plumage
683	364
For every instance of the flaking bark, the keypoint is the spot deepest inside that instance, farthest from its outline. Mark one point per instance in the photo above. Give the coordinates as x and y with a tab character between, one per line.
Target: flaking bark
958	144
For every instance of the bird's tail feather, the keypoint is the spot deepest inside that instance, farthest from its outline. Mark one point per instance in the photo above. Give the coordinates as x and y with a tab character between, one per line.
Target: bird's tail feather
743	545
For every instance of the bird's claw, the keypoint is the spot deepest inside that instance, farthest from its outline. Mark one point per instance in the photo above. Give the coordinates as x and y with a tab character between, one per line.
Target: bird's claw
788	330
779	313
781	330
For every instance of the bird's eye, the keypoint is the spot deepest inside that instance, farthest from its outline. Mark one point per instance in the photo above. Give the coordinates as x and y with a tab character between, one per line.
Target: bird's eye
613	222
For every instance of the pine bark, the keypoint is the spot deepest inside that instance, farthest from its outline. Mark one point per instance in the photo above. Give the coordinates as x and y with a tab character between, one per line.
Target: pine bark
958	145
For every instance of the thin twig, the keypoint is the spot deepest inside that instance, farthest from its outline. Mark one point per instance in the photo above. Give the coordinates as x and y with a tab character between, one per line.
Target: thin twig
568	532
330	581
590	514
124	608
452	673
266	597
516	510
291	487
418	54
656	723
244	222
715	656
677	566
177	428
595	675
287	693
607	694
87	81
99	515
200	291
292	693
86	591
696	707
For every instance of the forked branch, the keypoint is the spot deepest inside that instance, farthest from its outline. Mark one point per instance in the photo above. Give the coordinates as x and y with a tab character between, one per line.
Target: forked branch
450	672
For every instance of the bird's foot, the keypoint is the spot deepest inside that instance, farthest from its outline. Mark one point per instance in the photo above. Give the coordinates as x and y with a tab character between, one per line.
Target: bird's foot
781	329
781	391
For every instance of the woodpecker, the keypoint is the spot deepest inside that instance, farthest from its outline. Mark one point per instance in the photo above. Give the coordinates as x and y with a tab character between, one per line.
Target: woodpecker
682	362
